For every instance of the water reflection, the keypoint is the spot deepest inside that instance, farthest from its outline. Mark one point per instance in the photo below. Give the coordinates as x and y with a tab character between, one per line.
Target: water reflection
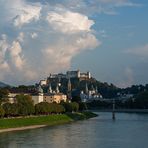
128	130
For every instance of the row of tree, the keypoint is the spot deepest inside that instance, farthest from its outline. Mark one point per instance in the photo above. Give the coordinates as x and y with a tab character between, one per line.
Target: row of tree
24	106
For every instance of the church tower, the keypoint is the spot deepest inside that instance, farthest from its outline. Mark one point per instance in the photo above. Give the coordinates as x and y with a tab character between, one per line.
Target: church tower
40	90
69	89
69	85
57	88
49	88
86	88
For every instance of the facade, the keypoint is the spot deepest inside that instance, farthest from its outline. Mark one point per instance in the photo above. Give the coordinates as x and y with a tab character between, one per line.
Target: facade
43	82
78	74
50	97
71	74
12	97
90	95
37	99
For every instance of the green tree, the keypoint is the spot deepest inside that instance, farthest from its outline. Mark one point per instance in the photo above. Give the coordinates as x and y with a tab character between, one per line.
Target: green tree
67	106
141	100
25	104
75	106
82	106
2	112
57	108
10	109
42	108
3	94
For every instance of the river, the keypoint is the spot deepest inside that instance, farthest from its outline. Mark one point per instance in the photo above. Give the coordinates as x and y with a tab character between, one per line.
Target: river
127	131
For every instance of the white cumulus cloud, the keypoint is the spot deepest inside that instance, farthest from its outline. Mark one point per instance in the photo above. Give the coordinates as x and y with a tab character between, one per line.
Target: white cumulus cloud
15	55
62	53
47	44
68	21
26	13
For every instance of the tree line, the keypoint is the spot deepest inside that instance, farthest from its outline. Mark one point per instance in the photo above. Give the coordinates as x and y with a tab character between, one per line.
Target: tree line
24	106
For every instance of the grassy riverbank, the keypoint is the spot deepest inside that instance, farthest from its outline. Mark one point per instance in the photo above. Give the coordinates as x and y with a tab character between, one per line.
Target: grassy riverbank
43	120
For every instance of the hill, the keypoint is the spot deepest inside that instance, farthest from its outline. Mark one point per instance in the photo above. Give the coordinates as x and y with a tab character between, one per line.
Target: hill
3	85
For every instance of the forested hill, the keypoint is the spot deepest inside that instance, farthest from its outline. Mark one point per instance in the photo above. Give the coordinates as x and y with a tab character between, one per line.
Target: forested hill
105	89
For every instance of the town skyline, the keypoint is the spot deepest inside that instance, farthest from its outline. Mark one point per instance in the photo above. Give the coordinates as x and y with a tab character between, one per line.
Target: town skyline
106	37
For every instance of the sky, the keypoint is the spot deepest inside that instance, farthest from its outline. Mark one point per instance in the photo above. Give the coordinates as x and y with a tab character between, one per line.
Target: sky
109	38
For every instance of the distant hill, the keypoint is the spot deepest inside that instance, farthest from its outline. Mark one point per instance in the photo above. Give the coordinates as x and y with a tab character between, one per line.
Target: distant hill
3	85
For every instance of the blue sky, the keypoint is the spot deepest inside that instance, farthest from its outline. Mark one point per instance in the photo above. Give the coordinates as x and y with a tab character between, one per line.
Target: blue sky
109	38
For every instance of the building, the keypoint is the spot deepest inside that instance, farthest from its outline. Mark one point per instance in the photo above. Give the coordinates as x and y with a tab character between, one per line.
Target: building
43	82
12	97
90	94
71	74
50	96
39	96
78	74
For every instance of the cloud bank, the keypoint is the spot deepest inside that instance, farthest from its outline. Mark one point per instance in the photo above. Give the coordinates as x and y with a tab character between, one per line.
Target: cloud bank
41	39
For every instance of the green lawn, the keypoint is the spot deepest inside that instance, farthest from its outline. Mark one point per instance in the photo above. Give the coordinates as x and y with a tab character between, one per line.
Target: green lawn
43	120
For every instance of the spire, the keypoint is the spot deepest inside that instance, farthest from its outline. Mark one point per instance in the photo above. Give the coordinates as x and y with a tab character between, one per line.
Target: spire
57	89
40	90
69	85
86	88
92	88
69	89
49	88
96	89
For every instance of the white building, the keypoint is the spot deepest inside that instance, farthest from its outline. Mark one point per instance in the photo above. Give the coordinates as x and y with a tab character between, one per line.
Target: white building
72	74
90	95
39	97
43	82
12	97
78	74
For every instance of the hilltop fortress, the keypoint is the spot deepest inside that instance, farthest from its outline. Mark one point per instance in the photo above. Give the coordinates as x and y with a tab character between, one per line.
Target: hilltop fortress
72	74
69	75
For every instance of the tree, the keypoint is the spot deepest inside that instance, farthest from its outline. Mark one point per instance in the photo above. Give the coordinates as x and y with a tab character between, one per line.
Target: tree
3	94
141	100
2	112
10	109
42	108
67	106
25	104
48	108
82	106
75	106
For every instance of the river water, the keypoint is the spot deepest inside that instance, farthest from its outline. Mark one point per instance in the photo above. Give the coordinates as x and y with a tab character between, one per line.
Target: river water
127	131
